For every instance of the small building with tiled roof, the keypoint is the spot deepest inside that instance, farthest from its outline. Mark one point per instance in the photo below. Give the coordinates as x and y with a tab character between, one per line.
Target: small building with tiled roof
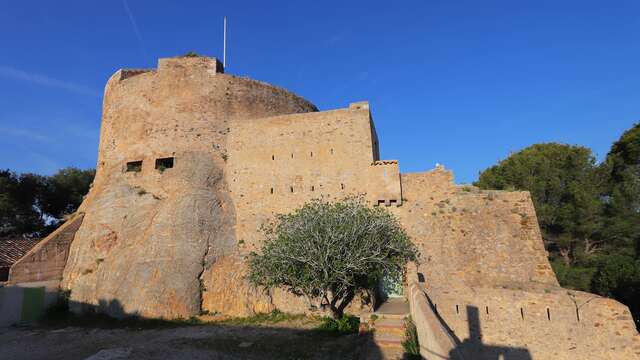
11	250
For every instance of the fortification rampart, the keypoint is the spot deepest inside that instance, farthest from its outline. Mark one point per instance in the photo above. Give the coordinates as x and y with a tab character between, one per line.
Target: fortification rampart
193	161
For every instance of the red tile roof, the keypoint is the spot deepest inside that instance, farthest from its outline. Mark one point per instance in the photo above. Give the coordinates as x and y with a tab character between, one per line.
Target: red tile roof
11	250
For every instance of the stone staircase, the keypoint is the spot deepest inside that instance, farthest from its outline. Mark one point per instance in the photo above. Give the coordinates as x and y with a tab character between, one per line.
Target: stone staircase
387	326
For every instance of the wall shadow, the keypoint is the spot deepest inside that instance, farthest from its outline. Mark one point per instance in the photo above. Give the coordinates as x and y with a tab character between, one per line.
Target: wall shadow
65	335
474	348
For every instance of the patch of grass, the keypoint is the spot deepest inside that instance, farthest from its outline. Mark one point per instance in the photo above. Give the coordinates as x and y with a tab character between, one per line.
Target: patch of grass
410	344
348	324
273	317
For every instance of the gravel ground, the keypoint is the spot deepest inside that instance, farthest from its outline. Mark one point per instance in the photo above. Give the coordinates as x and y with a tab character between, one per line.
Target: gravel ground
281	341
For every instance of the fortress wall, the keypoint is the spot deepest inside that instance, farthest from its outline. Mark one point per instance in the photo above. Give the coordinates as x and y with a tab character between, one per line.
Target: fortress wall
148	235
546	323
276	164
476	238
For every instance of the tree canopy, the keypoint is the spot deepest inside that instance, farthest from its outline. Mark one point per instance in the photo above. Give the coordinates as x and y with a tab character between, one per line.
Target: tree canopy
31	205
328	251
564	187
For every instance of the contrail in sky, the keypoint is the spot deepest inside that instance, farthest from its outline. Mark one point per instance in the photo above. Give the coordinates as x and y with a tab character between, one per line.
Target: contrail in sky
134	25
9	72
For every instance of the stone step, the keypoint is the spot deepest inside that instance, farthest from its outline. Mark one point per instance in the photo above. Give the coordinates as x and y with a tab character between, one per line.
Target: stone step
393	331
389	323
391	316
387	340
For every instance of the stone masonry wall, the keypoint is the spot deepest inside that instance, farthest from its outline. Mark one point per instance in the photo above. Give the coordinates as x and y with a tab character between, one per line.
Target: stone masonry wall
46	261
148	234
275	165
486	272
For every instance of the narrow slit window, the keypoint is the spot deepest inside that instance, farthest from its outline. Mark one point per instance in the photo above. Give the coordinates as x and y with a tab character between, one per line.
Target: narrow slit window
134	166
342	186
273	157
272	190
548	314
311	153
457	310
487	309
331	151
291	188
313	188
292	155
522	313
163	164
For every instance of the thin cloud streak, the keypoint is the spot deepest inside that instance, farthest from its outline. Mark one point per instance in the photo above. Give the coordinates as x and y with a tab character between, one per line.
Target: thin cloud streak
9	72
11	132
134	25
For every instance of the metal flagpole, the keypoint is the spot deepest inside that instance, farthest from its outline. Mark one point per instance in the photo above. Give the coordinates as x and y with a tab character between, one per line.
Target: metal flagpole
224	47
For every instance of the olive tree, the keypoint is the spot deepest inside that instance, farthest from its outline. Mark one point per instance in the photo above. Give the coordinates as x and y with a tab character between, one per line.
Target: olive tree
329	251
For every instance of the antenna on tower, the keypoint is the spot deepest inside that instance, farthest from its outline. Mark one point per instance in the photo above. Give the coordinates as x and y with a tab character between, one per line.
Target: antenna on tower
224	46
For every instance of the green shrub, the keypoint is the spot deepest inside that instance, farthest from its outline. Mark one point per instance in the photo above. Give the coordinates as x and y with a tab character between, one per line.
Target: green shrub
411	344
347	324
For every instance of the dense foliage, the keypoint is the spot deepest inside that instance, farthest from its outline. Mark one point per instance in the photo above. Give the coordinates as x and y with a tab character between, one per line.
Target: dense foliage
589	213
32	205
328	251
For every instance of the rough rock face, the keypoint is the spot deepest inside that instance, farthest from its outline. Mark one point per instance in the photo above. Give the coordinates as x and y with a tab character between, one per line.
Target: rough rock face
150	231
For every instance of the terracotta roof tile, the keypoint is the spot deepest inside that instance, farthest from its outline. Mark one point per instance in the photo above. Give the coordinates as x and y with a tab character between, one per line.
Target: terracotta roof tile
11	250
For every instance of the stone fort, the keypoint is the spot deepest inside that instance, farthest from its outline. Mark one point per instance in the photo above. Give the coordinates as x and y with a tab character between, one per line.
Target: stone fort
192	161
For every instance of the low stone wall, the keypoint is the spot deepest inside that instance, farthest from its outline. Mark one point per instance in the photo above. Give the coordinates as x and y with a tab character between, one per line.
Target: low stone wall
537	323
46	260
435	340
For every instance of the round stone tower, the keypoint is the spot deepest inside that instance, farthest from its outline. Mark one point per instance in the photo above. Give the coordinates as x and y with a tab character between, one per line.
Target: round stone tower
159	211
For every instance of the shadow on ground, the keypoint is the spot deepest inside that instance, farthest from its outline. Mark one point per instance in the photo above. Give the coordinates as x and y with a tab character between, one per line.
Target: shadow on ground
62	335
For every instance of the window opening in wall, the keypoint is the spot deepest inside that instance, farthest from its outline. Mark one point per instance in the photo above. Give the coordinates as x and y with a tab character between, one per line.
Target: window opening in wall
313	188
134	166
311	153
457	310
273	157
331	151
522	313
548	314
578	314
163	164
291	188
292	155
342	186
272	190
487	309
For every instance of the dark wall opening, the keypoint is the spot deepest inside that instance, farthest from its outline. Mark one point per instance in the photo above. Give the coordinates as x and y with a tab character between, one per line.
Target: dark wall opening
164	163
134	166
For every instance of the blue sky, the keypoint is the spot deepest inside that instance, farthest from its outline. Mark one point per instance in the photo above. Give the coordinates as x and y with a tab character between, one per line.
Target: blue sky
461	83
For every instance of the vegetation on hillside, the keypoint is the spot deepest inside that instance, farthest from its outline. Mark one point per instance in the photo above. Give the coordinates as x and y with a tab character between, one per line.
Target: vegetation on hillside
589	213
32	205
330	251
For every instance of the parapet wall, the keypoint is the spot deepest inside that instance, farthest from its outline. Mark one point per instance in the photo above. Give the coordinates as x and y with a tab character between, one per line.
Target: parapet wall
543	323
